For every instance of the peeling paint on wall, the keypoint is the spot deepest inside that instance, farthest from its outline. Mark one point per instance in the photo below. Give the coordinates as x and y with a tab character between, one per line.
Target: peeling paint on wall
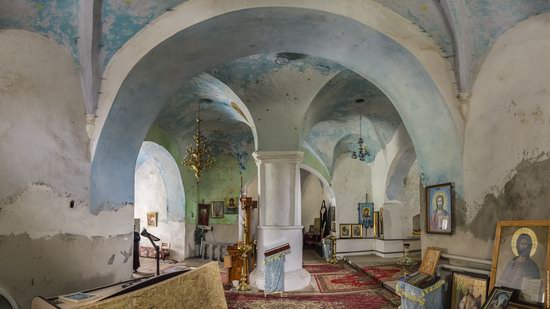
524	197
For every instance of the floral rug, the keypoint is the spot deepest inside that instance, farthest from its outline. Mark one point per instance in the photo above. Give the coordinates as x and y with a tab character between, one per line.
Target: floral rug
332	287
384	273
366	299
345	282
315	269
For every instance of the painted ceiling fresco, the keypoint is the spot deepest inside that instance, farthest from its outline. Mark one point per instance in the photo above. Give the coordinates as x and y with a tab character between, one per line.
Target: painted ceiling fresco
122	19
56	19
223	123
429	16
332	117
332	120
328	131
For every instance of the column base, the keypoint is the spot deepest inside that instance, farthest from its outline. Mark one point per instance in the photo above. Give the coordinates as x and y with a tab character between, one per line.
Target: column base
294	280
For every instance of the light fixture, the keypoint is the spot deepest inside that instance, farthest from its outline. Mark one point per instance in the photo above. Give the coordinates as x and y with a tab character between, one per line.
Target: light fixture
199	156
363	152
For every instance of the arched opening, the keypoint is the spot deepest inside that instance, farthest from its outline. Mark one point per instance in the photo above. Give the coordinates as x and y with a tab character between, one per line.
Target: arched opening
437	136
160	198
318	212
303	31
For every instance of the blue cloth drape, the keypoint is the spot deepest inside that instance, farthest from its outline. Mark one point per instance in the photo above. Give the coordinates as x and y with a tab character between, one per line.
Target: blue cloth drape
415	298
274	273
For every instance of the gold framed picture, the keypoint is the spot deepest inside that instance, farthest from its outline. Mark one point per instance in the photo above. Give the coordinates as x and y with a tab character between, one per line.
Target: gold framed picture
356	231
430	260
216	209
152	218
468	290
521	258
345	230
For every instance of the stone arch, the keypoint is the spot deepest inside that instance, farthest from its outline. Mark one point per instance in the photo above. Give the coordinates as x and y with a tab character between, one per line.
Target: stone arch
170	175
325	183
399	169
337	38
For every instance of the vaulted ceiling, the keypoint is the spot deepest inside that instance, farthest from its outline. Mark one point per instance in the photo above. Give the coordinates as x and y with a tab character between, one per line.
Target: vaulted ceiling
329	96
451	24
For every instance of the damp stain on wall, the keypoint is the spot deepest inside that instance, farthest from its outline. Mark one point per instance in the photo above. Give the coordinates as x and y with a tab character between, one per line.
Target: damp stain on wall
524	197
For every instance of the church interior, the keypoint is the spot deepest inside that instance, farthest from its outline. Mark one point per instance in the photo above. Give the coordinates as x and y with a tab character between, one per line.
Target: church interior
274	154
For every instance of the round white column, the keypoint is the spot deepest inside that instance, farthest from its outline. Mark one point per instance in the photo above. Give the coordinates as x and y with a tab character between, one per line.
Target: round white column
280	211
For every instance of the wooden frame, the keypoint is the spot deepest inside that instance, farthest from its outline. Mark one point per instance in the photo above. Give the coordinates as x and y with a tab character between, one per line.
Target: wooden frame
231	205
343	232
434	226
356	228
216	209
493	294
474	277
203	214
544	273
430	260
152	219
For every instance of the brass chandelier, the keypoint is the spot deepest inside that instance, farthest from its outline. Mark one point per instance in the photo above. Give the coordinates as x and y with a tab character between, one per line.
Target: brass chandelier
363	152
199	156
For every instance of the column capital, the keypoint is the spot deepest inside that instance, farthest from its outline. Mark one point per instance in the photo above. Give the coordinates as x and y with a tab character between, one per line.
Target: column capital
278	157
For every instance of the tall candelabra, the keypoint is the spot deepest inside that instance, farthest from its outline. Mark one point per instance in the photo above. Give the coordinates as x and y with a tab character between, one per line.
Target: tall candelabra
333	259
245	246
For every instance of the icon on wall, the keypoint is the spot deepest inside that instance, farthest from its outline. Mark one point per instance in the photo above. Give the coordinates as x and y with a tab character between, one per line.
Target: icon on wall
231	205
439	209
204	214
366	214
345	230
217	209
152	218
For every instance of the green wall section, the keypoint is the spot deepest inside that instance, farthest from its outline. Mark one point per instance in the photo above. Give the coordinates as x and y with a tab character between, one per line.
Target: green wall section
316	164
218	183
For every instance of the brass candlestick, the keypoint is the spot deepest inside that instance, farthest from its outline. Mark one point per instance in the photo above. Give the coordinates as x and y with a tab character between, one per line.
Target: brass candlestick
245	246
244	249
406	262
333	259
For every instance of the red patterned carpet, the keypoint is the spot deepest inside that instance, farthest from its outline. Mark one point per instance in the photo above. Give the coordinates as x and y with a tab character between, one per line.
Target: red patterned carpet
367	299
344	282
315	269
384	273
338	287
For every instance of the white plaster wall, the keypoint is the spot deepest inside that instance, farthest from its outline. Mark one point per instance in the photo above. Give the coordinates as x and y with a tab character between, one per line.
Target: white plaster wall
507	124
47	247
383	162
313	194
411	200
226	233
151	196
351	180
509	109
398	214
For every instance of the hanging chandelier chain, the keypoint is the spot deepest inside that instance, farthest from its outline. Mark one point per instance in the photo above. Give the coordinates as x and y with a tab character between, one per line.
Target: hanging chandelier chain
363	152
199	156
